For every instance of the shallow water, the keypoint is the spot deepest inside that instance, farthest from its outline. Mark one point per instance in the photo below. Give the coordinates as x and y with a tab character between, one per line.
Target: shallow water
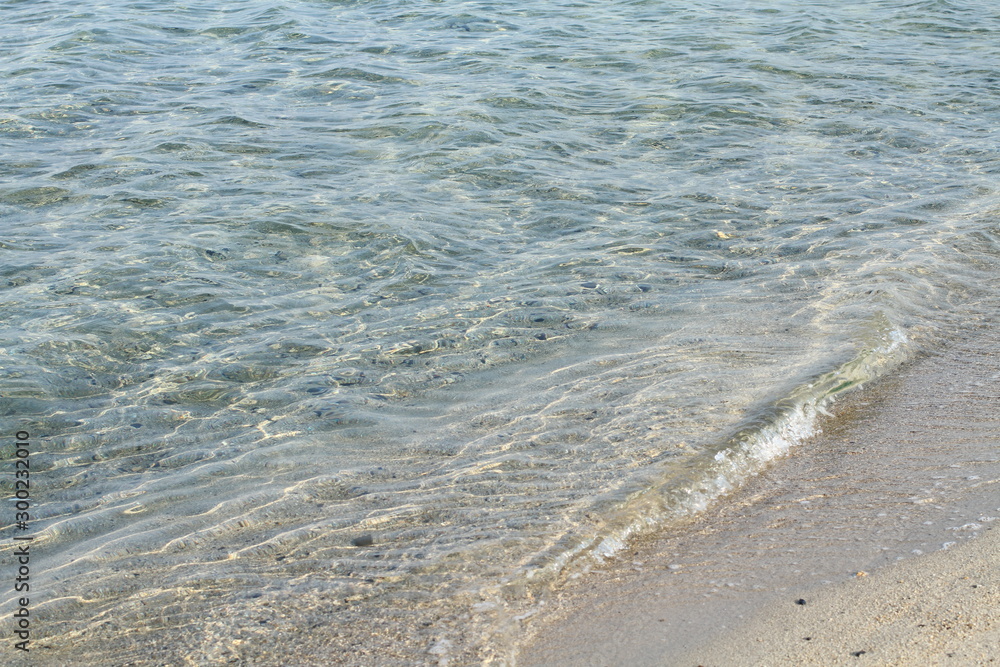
497	284
908	467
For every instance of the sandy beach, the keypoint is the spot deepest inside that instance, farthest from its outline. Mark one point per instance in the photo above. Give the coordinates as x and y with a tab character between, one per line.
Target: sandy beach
938	609
873	544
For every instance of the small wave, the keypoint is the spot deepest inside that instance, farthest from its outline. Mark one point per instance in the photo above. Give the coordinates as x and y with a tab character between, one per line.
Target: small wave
787	423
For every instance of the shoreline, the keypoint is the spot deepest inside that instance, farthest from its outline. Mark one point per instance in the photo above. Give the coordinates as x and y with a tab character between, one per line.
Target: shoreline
905	478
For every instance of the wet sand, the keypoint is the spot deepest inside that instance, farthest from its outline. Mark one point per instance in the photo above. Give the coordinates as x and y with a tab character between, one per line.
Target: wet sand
874	544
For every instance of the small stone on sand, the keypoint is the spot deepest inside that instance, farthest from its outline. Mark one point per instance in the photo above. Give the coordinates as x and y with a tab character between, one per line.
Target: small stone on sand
363	541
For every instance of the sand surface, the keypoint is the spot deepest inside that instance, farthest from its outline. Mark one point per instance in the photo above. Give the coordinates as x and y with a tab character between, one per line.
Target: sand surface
939	609
884	527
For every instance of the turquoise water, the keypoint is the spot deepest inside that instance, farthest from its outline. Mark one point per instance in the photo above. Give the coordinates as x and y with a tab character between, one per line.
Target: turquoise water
497	284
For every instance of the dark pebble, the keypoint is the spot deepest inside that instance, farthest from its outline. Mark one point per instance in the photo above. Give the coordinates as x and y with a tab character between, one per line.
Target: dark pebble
363	541
800	601
589	285
858	654
137	425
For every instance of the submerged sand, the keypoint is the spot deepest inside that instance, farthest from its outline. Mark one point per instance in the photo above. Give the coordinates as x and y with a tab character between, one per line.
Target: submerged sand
873	544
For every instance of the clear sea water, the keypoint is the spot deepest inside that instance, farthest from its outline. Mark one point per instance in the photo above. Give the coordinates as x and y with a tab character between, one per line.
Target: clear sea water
485	288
